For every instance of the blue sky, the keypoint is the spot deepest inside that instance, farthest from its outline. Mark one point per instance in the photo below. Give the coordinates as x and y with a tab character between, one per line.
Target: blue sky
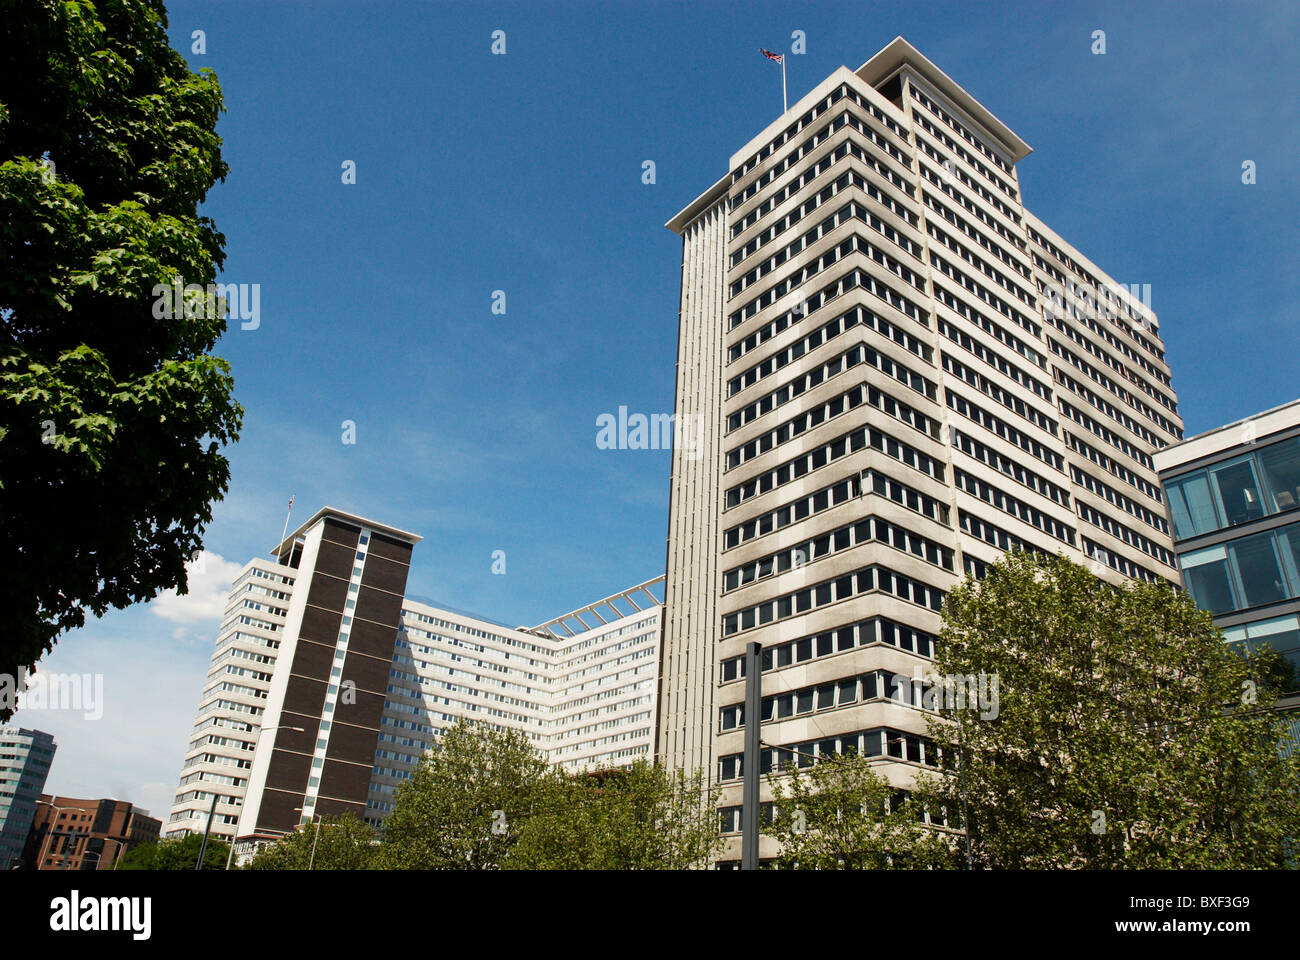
522	173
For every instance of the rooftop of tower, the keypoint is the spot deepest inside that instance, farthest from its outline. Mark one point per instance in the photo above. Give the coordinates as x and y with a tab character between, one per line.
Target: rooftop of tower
898	55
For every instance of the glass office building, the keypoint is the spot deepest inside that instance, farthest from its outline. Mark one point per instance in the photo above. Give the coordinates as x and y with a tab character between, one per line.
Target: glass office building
1234	500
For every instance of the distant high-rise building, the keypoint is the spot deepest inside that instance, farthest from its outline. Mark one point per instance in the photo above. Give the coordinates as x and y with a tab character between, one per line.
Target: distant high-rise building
896	373
1234	498
328	683
73	834
25	758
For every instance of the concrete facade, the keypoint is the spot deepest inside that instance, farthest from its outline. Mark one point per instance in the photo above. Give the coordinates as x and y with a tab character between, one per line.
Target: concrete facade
328	683
904	374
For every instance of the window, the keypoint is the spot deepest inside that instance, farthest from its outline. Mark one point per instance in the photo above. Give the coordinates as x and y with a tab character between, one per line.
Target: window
1209	580
1248	572
1281	635
1238	491
1280	465
1257	565
1192	506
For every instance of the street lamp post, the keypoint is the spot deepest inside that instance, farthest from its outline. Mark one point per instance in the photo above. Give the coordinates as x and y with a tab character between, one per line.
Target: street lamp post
753	733
311	863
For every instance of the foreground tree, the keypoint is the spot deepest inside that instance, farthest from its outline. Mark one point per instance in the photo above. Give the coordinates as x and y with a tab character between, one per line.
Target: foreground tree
465	804
176	853
642	817
839	814
1125	733
341	843
111	416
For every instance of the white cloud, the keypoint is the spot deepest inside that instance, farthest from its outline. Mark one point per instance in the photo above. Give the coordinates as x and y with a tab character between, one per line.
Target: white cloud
210	578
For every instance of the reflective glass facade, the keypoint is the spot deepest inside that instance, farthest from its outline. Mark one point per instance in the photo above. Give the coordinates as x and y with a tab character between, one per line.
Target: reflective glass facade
1234	501
1245	488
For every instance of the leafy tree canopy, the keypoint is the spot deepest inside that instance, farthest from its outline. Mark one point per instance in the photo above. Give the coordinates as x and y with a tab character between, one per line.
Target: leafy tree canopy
176	853
112	417
465	804
341	843
840	814
486	799
642	817
1125	735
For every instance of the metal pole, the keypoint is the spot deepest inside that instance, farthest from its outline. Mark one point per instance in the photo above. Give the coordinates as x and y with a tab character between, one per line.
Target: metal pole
203	847
311	864
965	820
285	531
753	725
785	104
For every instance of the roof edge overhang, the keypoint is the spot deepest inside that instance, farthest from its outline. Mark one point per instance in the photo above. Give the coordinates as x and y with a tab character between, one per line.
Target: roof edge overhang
697	206
899	53
349	518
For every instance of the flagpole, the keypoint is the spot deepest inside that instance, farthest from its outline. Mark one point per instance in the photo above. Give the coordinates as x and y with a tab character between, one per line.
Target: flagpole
286	527
785	104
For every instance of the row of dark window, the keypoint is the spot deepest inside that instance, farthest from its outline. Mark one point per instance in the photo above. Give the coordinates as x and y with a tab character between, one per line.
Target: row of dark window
1104	356
872	481
854	356
1102	432
876	742
957	126
820	697
812	143
856	243
995	392
822	413
1103	405
864	633
1113	467
1010	467
982	265
957	173
994	360
1125	566
997	425
866	530
1137	317
1119	531
967	312
869	579
793	130
849	178
971	285
844	322
1113	496
969	157
830	452
1097	328
848	148
978	235
853	210
1016	508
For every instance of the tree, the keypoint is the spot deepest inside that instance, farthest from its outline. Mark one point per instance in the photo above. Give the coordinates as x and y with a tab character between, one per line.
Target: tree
113	410
342	843
176	853
641	817
839	814
466	802
1125	733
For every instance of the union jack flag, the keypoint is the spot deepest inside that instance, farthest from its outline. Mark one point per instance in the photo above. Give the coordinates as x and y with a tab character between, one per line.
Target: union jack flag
770	55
